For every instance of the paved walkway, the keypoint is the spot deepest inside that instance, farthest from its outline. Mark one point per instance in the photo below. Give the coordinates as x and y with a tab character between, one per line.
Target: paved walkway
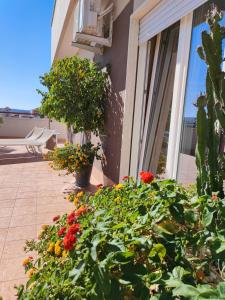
31	193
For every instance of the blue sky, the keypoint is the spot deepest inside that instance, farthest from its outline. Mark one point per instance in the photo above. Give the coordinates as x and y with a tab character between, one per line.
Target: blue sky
25	35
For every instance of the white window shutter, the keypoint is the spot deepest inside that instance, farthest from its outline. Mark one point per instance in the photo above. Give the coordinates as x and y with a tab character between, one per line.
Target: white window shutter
166	13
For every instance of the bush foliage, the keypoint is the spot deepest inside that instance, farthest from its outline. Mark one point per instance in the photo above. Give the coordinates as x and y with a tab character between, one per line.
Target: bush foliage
132	241
73	158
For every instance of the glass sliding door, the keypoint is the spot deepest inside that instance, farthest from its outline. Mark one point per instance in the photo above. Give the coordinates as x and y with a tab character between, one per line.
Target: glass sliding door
195	85
157	120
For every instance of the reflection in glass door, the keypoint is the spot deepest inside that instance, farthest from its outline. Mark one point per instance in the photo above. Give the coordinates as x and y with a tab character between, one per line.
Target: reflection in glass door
158	120
195	86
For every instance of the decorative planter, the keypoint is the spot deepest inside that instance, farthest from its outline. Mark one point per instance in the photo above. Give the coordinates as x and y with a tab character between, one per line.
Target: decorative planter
83	177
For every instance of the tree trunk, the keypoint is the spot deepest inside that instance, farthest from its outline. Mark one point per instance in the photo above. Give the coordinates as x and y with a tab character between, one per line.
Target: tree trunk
69	134
86	137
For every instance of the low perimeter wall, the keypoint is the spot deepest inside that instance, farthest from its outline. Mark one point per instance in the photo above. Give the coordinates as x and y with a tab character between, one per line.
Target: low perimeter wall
18	127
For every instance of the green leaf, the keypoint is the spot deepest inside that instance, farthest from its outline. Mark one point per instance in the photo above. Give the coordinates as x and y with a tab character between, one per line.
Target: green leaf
118	226
77	271
221	289
159	250
179	272
167	227
177	211
186	290
207	217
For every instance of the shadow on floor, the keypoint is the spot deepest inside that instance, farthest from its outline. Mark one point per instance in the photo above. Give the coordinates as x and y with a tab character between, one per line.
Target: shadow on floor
7	157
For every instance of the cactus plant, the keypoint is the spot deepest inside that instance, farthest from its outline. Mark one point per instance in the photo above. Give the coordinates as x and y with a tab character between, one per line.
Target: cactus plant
211	110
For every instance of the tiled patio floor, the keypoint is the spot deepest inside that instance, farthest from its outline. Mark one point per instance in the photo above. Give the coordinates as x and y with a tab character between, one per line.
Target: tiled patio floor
31	193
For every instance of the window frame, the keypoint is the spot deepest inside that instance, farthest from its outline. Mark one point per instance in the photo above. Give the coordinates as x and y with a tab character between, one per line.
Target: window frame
131	138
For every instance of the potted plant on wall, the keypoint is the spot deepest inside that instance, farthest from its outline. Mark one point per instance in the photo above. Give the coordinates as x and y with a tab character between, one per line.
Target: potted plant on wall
76	93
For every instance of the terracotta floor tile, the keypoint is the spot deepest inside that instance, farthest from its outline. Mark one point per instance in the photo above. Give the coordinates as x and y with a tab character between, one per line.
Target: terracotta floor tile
31	193
7	196
5	211
54	208
7	203
45	218
4	222
11	269
21	233
3	234
7	289
25	202
13	249
24	210
26	195
23	220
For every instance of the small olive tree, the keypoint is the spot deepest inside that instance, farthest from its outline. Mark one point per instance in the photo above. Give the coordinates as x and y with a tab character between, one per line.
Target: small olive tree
76	93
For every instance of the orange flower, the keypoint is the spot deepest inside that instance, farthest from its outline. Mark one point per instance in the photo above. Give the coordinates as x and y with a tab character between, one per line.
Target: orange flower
81	211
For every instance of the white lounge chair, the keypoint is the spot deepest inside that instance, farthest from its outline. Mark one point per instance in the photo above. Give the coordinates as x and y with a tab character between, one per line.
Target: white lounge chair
34	134
43	139
30	143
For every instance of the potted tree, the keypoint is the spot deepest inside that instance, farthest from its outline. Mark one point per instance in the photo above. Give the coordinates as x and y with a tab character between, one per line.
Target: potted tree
76	91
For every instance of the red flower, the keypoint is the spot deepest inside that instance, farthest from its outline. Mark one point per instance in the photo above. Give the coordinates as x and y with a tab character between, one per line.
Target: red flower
71	218
75	228
146	177
68	241
31	257
56	218
100	186
81	211
62	231
125	178
214	197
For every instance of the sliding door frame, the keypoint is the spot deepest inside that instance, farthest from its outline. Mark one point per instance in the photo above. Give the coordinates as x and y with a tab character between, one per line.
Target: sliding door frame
131	154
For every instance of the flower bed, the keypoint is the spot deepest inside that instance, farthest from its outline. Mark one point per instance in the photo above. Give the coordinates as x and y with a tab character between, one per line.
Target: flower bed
151	240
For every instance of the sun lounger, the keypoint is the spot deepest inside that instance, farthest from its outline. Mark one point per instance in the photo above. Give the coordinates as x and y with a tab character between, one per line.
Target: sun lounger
31	142
34	134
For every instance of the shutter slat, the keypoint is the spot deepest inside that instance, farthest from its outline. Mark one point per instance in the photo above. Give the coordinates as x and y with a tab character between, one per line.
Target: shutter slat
166	13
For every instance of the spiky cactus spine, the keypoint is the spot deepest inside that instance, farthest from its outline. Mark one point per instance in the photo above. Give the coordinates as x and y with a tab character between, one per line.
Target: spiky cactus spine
211	110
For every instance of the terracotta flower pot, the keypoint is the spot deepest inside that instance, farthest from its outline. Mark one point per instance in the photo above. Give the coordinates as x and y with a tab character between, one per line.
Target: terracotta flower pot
83	177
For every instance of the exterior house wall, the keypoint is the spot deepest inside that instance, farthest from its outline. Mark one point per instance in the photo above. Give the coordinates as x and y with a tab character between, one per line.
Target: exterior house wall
65	19
59	18
115	58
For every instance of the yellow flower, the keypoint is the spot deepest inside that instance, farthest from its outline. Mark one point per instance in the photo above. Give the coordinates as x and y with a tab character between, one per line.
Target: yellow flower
26	261
44	227
119	186
51	247
68	197
30	272
117	200
65	253
75	201
80	194
58	250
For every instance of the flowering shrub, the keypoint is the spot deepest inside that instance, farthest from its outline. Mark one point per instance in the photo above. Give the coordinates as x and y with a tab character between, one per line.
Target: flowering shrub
132	241
73	158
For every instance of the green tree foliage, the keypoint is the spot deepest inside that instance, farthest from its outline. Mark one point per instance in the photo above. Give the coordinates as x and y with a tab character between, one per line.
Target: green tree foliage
211	110
76	93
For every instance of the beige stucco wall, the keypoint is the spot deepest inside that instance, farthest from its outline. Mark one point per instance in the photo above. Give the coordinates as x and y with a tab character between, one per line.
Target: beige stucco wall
65	19
59	17
16	127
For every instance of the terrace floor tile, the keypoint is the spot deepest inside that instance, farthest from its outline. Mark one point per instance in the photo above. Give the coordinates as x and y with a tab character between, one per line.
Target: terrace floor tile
31	193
